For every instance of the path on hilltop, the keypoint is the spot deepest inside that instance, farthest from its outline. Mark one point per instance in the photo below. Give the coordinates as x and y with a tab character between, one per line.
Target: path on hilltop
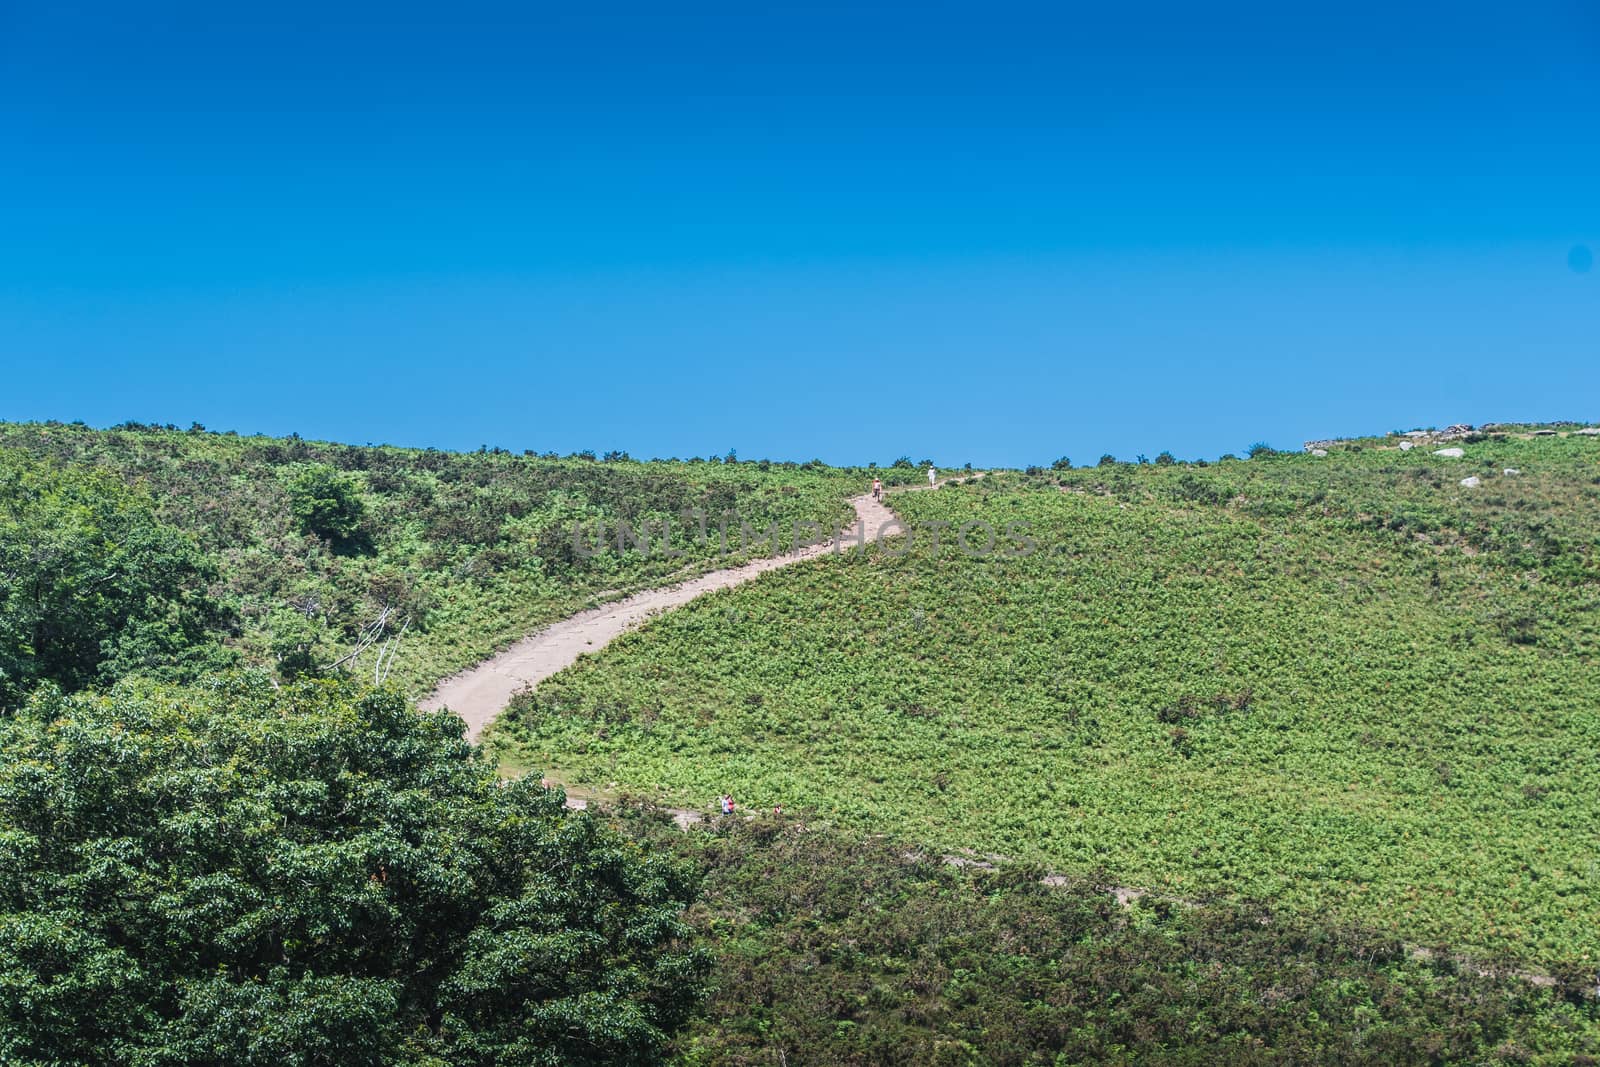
478	694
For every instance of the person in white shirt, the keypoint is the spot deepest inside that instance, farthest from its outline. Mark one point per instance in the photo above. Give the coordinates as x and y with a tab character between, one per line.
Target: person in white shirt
933	477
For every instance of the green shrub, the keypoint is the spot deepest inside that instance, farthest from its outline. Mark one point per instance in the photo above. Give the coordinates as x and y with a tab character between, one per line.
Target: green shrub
319	876
95	587
328	504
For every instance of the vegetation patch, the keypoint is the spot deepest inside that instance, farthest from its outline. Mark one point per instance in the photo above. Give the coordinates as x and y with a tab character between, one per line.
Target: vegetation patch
314	876
864	950
411	564
1256	691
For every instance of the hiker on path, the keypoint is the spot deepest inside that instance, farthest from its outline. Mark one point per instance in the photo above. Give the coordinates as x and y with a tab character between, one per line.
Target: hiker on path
933	477
877	488
727	804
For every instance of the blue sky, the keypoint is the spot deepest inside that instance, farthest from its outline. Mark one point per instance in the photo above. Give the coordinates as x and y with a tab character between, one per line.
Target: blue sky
985	233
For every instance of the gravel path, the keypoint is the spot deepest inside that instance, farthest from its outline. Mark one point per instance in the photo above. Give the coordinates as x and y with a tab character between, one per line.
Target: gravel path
480	693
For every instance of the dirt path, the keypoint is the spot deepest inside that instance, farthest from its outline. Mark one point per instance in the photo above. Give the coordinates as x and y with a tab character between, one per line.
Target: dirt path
480	693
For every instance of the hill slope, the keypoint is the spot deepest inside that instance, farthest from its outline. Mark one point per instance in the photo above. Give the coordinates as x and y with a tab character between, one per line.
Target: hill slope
1347	685
318	544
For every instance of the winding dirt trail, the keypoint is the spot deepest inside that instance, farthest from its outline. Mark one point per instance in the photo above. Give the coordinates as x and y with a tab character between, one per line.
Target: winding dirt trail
478	694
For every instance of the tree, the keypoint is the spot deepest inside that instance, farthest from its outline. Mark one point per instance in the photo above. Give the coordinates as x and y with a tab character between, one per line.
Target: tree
1261	448
318	875
1062	464
1166	459
1107	460
328	504
93	586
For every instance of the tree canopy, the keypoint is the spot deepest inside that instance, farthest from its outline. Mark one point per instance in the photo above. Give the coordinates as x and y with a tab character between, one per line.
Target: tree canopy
317	875
329	505
92	585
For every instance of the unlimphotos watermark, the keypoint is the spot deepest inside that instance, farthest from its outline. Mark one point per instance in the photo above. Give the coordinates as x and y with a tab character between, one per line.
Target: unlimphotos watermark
733	535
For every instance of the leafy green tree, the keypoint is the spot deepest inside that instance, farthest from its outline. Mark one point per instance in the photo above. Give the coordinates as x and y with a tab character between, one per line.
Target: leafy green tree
93	586
1107	460
295	636
1062	464
328	504
1166	459
318	875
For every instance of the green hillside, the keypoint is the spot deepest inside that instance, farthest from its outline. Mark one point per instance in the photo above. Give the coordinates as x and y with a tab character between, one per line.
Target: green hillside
848	949
1347	686
452	554
1329	722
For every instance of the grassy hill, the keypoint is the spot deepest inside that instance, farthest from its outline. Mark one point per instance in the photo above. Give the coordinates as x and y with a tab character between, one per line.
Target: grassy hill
1347	686
317	543
1326	708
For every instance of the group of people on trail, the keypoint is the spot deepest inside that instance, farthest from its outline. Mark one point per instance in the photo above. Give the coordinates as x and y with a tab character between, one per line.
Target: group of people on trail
726	805
877	483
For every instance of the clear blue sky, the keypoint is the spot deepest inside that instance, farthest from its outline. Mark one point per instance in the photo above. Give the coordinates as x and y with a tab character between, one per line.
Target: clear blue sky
975	232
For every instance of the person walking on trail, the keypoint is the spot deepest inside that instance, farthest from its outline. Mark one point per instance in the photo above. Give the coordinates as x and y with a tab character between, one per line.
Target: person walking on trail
933	477
727	804
877	488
